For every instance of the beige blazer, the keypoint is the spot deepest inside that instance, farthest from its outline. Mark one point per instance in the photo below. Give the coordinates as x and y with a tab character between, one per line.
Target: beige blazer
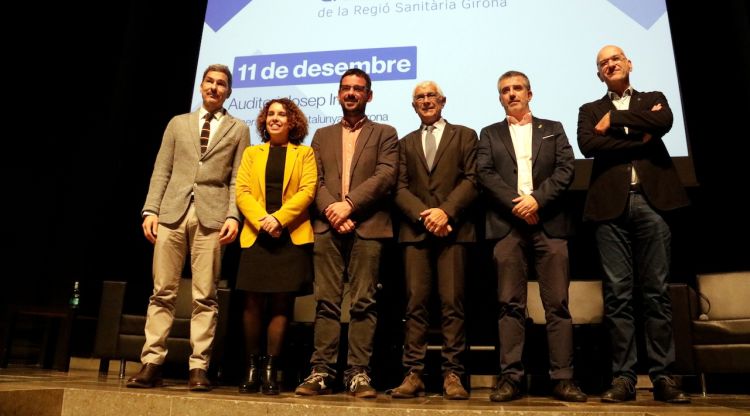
180	171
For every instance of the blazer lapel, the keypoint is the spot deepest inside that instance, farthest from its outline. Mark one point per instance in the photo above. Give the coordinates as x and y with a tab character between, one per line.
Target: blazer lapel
193	124
536	138
337	147
635	101
605	104
419	148
362	139
504	133
259	164
445	140
292	151
221	131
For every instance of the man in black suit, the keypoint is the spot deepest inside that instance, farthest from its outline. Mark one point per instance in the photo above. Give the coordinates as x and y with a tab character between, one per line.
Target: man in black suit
525	166
633	181
436	187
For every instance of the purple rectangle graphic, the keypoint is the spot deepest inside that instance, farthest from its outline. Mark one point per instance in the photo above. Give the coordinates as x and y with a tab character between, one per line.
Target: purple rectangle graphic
323	67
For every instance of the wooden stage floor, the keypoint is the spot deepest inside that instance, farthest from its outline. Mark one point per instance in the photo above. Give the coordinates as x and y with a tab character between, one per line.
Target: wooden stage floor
33	392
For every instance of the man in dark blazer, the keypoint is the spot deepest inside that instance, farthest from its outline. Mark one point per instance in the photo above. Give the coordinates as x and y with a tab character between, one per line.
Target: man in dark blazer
525	167
357	171
436	187
191	208
633	181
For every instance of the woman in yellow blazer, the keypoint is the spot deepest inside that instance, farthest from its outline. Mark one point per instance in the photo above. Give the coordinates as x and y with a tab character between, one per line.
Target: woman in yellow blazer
275	185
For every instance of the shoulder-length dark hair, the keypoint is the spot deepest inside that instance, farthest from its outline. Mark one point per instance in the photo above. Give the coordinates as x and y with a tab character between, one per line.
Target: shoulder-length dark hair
294	116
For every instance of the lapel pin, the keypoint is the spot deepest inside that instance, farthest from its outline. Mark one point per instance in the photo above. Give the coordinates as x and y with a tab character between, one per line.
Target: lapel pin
539	126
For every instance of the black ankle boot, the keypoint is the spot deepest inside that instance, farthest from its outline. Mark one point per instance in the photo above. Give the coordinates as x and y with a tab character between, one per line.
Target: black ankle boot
269	385
251	384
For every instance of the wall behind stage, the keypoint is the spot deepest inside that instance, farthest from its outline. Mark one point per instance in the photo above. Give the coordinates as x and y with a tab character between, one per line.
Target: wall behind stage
77	176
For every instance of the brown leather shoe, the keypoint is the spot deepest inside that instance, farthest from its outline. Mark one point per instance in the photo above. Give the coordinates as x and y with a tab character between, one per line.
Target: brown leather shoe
199	380
453	389
622	390
666	390
149	376
505	390
411	386
568	391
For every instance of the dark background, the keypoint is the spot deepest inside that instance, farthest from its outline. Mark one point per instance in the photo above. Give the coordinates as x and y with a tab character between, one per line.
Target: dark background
109	76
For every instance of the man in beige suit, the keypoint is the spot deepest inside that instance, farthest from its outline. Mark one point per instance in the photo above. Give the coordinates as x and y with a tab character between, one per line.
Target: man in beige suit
191	208
357	168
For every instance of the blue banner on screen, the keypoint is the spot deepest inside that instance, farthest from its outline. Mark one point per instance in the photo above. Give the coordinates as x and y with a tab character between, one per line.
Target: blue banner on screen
299	49
324	67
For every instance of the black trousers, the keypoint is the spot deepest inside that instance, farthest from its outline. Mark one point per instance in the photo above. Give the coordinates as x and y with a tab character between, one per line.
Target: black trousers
442	263
512	255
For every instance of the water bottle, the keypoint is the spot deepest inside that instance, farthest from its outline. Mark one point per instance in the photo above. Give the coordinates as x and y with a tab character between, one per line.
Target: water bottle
75	297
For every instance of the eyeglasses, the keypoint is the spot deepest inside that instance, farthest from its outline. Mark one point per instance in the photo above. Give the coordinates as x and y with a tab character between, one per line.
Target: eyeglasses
356	88
430	96
616	59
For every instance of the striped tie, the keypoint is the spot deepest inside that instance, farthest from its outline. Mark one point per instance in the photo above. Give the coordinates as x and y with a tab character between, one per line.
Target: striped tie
205	132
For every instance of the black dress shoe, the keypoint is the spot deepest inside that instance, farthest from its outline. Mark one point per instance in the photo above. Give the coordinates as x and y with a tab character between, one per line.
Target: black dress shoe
622	390
666	390
568	391
198	380
149	376
505	390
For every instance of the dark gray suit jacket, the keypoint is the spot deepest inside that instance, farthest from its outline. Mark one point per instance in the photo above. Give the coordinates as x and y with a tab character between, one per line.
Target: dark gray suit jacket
552	170
451	184
181	170
615	152
373	173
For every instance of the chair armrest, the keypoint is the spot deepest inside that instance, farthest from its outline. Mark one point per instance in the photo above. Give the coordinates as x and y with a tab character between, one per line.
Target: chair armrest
682	297
108	323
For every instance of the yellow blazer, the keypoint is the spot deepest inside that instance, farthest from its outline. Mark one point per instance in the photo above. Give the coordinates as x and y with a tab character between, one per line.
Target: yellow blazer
298	191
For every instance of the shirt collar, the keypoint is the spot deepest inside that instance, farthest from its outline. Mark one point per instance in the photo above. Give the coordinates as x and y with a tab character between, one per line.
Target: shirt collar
439	125
217	115
614	96
356	126
526	119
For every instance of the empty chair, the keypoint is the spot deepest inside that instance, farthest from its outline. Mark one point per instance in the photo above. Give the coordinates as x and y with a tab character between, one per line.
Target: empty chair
721	324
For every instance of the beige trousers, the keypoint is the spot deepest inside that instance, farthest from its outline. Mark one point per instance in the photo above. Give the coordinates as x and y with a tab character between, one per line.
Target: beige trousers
172	245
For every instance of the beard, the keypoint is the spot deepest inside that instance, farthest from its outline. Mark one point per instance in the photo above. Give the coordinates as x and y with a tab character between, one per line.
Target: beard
358	110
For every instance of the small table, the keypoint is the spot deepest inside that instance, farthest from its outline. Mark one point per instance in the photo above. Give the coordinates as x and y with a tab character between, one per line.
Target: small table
60	316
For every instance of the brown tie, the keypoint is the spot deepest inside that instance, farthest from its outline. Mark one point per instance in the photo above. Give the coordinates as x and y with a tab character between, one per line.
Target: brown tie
205	132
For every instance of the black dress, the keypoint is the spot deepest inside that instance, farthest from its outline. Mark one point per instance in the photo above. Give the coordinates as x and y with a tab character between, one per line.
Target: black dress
274	265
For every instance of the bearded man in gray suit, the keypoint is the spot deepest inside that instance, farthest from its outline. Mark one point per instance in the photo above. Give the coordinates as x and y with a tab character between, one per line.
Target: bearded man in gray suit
357	168
191	208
